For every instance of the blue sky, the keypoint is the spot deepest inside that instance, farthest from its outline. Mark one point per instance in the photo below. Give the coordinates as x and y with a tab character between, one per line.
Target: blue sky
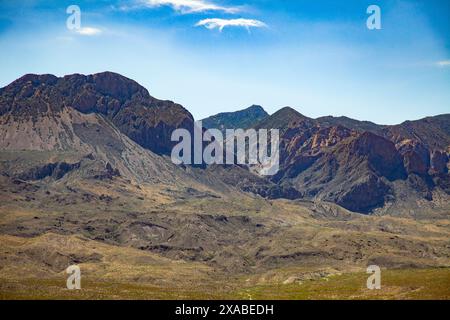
315	56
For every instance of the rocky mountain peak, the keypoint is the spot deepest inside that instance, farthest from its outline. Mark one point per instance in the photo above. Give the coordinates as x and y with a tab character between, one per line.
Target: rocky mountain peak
146	120
284	119
242	119
108	84
381	154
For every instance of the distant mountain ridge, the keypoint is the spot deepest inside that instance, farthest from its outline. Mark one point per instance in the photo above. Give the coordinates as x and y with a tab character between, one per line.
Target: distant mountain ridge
350	123
85	179
360	165
106	125
432	131
242	119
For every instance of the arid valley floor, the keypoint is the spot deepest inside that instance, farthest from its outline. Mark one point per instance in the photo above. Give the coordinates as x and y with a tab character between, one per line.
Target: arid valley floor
252	249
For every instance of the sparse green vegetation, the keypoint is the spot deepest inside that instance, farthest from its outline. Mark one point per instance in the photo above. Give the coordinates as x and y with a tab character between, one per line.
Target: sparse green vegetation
396	284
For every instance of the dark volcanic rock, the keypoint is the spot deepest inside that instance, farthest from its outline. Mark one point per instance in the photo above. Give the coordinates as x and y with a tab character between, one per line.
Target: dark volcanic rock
352	168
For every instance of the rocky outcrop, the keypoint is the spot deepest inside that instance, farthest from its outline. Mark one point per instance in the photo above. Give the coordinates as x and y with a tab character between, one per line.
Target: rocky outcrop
351	168
108	173
380	153
416	157
356	173
54	170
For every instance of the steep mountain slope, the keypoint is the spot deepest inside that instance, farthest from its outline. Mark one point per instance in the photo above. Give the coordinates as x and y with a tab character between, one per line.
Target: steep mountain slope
87	143
285	118
242	119
104	125
360	165
144	119
107	125
353	124
355	174
432	132
85	179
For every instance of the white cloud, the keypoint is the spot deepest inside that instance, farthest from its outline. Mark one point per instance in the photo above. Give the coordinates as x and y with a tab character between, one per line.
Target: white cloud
88	31
443	63
191	6
222	23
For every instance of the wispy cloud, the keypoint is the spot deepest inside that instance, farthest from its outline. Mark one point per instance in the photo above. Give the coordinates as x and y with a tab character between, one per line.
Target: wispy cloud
190	6
222	23
88	31
443	63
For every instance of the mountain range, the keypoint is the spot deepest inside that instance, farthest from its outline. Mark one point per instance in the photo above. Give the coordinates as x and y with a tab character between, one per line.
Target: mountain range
88	156
360	165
